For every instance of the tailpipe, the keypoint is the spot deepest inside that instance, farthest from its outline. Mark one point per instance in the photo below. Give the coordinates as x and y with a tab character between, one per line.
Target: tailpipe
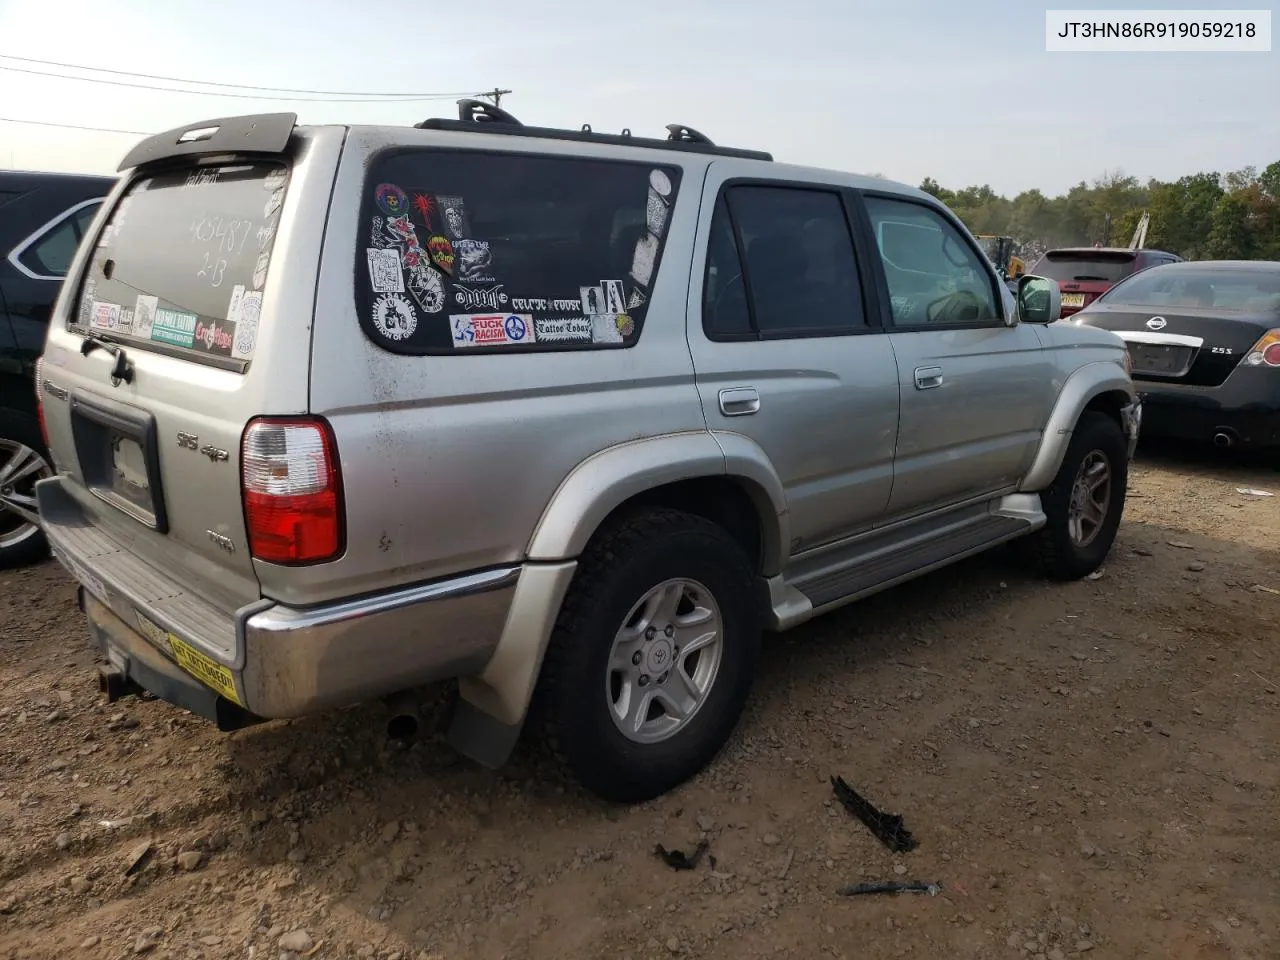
1224	437
404	719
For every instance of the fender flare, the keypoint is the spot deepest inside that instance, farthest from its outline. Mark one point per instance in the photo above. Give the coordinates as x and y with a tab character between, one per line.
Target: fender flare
596	487
1081	387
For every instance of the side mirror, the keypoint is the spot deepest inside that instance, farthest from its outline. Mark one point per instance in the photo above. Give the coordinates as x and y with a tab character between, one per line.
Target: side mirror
1039	300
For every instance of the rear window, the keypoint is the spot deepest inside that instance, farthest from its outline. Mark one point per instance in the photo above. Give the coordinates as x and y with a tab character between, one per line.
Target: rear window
479	252
1083	267
181	264
1200	288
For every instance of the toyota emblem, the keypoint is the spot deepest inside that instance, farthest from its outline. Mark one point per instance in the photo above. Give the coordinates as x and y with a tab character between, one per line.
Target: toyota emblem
1157	323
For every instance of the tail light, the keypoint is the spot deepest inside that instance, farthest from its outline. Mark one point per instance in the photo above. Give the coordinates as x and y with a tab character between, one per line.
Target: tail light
44	430
1266	352
292	488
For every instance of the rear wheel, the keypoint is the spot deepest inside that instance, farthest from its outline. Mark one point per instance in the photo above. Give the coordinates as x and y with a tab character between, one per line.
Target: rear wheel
1085	502
23	461
652	657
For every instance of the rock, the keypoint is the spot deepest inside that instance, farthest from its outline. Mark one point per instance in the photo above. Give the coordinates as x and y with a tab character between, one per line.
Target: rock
1195	566
80	886
1179	544
771	839
296	941
706	824
134	860
1056	954
390	831
1088	852
56	717
64	697
190	860
147	940
1084	946
900	869
57	766
90	942
673	944
62	841
211	941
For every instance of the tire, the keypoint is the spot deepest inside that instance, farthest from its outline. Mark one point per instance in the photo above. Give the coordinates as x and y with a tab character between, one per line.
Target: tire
19	441
1060	555
580	694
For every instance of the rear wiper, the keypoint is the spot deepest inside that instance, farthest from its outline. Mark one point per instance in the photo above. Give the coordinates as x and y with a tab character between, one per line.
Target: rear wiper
122	370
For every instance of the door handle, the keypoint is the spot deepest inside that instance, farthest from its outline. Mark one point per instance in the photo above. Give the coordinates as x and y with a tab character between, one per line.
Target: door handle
928	377
739	401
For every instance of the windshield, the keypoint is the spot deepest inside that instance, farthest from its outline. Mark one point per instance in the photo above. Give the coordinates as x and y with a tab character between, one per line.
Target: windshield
1084	267
1195	288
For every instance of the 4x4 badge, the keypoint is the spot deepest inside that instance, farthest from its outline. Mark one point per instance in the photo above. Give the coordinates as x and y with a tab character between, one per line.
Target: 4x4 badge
213	453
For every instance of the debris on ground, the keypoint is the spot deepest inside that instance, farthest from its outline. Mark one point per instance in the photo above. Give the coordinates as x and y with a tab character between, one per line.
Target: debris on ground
887	827
891	886
1253	492
678	860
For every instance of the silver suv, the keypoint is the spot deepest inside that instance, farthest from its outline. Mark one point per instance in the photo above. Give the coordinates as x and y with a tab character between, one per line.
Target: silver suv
571	417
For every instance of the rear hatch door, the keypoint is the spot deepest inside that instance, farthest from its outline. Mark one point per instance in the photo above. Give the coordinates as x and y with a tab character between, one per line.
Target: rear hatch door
1084	275
184	321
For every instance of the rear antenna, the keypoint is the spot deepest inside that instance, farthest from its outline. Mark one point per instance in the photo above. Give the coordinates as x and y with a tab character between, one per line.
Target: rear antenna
478	111
679	132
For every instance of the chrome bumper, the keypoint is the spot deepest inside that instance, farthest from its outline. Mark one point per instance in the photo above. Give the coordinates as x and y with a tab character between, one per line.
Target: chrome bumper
1131	416
271	660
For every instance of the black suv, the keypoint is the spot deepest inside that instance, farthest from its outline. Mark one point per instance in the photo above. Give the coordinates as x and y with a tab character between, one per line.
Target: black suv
42	218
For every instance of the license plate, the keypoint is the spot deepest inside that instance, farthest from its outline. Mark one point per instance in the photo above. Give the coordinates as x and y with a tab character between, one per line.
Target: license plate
209	672
1157	358
1073	299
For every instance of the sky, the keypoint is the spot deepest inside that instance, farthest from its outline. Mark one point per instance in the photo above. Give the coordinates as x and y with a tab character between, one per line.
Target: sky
958	90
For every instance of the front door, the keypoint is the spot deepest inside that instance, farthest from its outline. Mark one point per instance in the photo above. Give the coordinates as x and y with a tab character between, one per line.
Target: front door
788	353
975	391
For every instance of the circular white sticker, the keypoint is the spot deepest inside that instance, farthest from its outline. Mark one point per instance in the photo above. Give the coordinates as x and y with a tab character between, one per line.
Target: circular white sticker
394	317
660	182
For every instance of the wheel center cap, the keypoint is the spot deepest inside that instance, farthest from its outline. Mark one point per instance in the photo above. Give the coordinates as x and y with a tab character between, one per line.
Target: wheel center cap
659	656
6	490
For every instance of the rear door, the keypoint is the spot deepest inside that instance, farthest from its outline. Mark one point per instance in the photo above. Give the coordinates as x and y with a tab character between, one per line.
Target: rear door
788	350
182	321
975	391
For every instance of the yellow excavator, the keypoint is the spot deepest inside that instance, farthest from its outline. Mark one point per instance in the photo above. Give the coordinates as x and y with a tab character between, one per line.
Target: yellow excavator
999	251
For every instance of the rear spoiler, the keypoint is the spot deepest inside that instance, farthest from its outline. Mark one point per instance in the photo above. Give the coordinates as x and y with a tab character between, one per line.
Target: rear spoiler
261	133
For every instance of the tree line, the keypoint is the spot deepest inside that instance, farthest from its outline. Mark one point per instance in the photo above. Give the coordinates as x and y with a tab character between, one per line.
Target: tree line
1203	216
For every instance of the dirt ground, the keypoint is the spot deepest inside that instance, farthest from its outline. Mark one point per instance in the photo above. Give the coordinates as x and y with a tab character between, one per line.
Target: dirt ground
1091	770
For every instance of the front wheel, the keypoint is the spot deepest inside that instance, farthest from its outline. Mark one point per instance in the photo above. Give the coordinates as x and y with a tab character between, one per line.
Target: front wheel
1085	502
652	656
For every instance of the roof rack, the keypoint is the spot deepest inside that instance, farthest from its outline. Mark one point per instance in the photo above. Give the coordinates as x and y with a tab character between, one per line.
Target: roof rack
478	116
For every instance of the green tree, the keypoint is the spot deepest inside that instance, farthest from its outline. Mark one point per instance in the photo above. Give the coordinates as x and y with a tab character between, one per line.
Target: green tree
1231	235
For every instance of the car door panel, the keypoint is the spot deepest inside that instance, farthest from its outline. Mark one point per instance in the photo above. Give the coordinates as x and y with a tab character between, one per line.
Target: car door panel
821	403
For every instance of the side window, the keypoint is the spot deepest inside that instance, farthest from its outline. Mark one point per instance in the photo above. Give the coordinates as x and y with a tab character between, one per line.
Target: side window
50	255
801	275
934	276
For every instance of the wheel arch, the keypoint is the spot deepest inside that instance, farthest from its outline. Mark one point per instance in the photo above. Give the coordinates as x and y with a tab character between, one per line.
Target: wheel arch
1103	386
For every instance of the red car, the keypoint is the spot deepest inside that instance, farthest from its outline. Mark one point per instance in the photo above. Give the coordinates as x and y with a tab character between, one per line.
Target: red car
1085	273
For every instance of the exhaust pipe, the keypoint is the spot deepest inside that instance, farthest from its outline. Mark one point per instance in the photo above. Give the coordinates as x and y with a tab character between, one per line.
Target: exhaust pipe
404	720
115	684
1224	437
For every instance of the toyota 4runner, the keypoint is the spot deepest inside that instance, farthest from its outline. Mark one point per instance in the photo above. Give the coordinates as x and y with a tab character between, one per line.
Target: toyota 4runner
571	417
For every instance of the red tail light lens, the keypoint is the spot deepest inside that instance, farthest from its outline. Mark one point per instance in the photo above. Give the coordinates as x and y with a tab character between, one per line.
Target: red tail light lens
44	430
1266	352
292	489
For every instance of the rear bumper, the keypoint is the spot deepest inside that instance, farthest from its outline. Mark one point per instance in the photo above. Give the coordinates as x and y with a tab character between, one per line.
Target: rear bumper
1246	407
284	662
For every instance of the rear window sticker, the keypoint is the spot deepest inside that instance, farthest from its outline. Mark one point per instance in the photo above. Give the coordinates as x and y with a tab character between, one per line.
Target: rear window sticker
377	233
215	336
260	270
604	329
234	304
391	200
84	316
426	208
563	329
491	299
144	314
592	300
455	217
394	317
626	326
540	304
247	325
614	300
274	203
174	327
636	300
474	261
401	230
385	273
126	320
492	329
106	316
441	252
266	233
660	182
426	287
275	179
645	256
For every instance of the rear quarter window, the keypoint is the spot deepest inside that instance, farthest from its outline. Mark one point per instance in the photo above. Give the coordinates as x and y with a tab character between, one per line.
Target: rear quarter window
180	265
472	252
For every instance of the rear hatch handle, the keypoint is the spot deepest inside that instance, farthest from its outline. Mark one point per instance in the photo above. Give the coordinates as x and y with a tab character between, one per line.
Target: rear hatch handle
122	369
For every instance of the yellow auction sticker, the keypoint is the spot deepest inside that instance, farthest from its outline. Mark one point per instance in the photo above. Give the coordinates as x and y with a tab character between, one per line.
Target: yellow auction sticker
212	674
